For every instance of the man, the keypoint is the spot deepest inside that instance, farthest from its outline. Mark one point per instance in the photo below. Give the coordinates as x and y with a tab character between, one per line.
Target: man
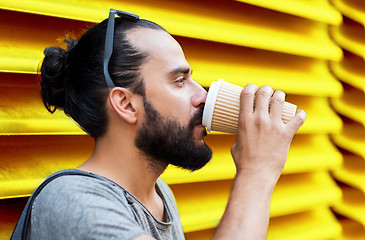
149	116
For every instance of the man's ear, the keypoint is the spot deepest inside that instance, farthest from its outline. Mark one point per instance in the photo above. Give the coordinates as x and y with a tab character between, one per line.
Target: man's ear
122	102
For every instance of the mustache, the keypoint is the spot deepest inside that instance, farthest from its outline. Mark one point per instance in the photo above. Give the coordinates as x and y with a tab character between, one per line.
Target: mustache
197	118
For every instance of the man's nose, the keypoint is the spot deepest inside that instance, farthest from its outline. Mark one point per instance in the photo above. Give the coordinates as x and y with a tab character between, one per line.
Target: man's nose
199	96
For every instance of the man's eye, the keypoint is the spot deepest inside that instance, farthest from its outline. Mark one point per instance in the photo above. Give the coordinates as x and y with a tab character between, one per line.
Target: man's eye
180	80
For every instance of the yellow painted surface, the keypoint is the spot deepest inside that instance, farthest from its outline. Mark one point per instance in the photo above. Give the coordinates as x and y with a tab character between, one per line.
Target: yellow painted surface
294	193
351	8
352	204
318	224
317	10
305	48
350	36
352	171
351	71
212	21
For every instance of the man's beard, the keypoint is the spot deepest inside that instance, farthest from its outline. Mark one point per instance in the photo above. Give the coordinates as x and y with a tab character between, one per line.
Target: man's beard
164	141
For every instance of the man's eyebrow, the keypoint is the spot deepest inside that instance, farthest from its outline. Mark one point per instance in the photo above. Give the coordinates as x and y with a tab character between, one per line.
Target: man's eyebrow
183	70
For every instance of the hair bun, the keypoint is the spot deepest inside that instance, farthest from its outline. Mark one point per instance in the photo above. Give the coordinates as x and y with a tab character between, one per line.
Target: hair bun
54	74
53	67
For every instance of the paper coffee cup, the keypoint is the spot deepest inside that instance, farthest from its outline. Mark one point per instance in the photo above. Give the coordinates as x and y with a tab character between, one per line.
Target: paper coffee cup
222	107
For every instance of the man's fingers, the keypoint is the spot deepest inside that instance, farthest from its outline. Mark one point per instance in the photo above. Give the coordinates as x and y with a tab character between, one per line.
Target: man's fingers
298	120
263	97
277	103
248	99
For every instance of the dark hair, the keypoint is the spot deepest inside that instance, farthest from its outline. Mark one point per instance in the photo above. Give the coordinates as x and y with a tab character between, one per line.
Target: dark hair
73	79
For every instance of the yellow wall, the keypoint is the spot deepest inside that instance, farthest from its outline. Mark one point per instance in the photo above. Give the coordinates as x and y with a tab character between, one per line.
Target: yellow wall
293	45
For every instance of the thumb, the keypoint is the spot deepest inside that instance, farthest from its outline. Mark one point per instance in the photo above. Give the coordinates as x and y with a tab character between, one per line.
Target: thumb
298	120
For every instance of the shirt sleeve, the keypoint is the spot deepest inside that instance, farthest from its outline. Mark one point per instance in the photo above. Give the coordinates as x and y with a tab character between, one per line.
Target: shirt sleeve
78	207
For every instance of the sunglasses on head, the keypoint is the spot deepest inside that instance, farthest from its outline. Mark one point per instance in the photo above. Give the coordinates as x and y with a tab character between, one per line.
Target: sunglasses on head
108	50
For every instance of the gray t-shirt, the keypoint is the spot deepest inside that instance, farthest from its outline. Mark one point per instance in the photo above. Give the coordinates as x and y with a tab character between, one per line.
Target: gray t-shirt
81	207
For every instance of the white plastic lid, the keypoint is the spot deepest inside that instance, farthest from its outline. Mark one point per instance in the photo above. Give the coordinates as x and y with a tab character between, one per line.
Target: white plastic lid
210	103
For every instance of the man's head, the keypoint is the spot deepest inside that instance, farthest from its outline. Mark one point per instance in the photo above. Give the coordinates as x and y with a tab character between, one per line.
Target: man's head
148	64
173	103
73	79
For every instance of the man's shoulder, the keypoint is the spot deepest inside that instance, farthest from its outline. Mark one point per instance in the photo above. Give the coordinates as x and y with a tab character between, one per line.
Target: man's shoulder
80	205
79	191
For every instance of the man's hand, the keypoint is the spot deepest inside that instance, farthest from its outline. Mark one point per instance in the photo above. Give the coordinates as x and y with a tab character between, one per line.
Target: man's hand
263	139
259	154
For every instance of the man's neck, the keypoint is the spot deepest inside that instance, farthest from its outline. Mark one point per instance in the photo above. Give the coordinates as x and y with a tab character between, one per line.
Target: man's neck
124	164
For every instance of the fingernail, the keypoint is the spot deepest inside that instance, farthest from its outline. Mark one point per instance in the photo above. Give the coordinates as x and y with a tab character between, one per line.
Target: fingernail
301	113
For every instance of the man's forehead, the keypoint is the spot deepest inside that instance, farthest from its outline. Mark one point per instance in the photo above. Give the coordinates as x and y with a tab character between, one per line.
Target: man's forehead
153	41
